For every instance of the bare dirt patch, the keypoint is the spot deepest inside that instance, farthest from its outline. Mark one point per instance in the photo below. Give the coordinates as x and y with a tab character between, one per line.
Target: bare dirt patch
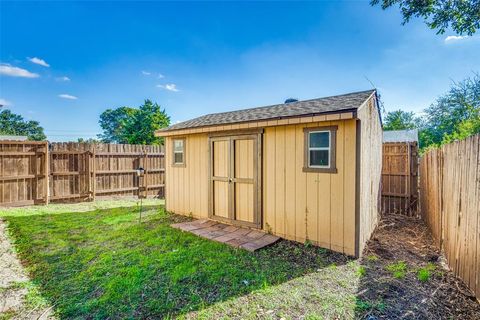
406	277
18	297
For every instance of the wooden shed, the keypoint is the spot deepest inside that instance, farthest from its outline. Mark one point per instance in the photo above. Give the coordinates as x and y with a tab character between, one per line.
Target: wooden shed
305	171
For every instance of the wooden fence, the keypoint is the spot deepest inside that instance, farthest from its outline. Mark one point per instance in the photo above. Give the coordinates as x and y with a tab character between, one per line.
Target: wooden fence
400	178
22	172
39	172
450	203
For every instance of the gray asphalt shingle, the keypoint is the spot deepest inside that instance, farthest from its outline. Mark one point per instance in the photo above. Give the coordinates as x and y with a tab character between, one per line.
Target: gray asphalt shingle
333	104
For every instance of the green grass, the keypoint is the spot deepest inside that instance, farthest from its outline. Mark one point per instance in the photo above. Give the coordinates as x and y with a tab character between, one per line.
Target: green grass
398	269
92	262
76	207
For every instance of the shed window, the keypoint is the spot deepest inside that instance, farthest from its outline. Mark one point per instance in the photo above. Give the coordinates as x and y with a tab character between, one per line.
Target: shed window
179	152
320	149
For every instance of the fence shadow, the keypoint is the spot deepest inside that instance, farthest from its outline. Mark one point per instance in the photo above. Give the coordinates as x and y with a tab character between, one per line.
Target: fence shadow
106	264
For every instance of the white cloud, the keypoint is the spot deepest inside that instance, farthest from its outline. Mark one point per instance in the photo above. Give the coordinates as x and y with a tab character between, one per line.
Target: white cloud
169	87
67	96
39	61
64	78
11	71
146	73
160	76
450	39
5	103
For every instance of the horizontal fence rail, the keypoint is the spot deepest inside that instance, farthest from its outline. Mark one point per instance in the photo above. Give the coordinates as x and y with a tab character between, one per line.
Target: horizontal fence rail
39	172
450	205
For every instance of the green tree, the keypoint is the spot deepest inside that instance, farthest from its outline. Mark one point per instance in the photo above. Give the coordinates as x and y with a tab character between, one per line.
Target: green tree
135	126
455	115
14	124
113	123
463	16
88	140
400	120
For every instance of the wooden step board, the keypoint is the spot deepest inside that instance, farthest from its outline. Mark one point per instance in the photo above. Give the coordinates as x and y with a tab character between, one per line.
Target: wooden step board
239	237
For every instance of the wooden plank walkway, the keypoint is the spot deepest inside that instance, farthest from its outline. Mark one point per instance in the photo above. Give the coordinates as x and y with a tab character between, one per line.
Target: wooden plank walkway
239	237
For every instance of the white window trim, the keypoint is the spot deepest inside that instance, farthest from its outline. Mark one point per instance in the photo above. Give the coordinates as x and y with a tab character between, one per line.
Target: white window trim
321	148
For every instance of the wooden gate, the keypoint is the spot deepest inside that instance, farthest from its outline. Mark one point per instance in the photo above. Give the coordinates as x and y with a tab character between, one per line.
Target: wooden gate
23	173
38	172
400	178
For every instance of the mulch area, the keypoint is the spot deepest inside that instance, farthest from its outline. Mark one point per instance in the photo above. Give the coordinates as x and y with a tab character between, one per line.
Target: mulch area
407	239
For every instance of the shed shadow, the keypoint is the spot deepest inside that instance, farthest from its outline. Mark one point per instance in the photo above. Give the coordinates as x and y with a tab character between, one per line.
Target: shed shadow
107	264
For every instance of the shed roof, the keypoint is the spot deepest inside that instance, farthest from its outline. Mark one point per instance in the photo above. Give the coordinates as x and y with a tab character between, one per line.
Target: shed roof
333	104
400	136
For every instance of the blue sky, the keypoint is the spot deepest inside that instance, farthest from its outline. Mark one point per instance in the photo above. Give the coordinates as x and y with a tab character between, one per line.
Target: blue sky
64	63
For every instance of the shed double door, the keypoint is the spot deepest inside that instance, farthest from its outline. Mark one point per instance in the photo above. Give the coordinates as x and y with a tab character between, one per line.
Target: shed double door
235	172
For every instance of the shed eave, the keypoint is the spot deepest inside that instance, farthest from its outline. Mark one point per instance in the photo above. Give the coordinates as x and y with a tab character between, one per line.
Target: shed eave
165	132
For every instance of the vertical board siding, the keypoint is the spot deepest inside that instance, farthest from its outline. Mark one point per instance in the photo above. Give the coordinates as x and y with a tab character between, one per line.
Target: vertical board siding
187	187
297	205
450	205
337	193
371	138
349	185
318	207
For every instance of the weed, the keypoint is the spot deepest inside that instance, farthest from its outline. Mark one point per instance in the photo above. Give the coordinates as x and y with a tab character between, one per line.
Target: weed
308	244
424	274
398	269
361	271
363	305
321	250
313	317
7	315
372	258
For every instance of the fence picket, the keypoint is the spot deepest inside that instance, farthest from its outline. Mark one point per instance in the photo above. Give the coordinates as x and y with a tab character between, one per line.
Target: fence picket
39	172
450	205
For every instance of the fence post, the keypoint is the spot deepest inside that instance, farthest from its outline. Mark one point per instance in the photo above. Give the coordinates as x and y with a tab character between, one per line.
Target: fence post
88	172
145	176
46	173
94	178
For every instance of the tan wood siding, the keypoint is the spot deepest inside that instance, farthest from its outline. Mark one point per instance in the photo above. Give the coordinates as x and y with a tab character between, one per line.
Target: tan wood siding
371	138
187	187
319	207
297	205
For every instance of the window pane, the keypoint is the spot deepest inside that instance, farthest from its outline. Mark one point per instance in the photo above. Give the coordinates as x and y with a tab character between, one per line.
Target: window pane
319	139
319	158
178	145
178	157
